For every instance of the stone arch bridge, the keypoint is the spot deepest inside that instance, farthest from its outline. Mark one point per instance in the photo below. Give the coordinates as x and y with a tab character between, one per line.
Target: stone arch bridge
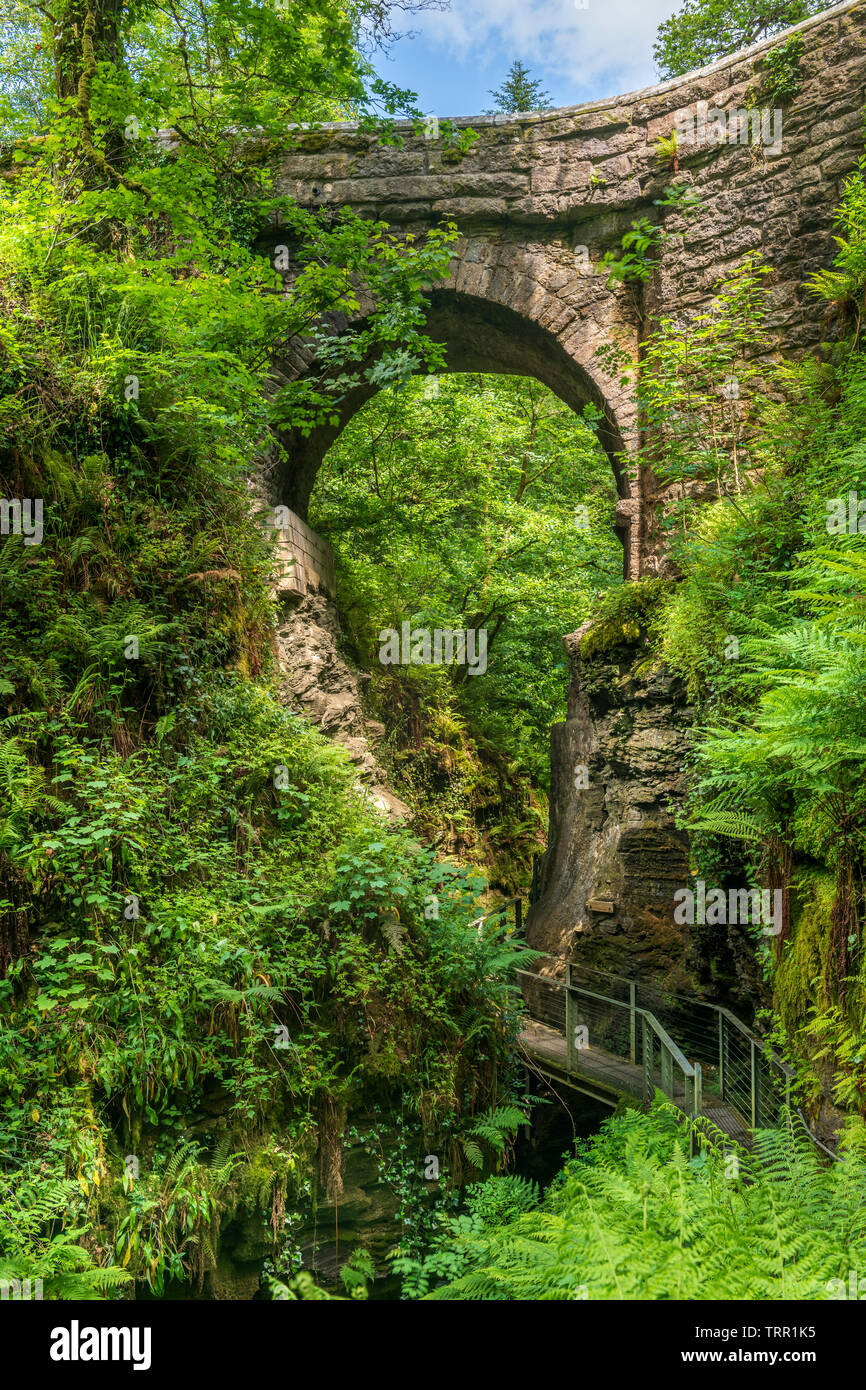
539	195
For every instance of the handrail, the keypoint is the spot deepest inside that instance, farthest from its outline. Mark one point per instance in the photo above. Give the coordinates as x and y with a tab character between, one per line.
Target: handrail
685	1065
499	909
733	1094
837	1158
687	1094
692	1002
742	1028
660	1032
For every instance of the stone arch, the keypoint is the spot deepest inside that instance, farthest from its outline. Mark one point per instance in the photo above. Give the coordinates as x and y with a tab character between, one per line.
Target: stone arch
486	334
536	189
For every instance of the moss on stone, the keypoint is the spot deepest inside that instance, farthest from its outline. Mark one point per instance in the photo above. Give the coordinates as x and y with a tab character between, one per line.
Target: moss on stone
624	615
800	974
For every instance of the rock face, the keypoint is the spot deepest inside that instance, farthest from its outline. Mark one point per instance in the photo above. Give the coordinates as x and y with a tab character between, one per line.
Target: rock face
539	198
615	857
318	681
364	1216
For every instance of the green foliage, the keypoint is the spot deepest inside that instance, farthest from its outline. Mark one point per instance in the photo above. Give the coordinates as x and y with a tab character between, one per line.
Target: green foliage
481	503
495	1203
204	925
494	1128
42	1229
781	78
641	246
519	92
356	1274
667	149
631	1217
624	616
172	1221
768	627
703	30
704	386
194	945
842	285
300	1288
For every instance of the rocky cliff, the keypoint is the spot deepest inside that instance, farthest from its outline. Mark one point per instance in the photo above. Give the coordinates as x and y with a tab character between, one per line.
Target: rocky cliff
318	680
615	856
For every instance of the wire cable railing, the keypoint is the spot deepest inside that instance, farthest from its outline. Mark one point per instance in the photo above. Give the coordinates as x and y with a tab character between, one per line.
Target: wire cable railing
649	1038
598	1030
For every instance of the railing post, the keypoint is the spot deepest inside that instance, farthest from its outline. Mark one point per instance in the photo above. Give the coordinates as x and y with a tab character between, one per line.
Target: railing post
518	916
632	1023
697	1105
570	1021
754	1089
535	886
721	1018
667	1073
647	1044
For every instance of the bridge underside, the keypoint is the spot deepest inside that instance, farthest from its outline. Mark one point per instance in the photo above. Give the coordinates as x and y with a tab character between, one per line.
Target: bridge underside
479	336
539	198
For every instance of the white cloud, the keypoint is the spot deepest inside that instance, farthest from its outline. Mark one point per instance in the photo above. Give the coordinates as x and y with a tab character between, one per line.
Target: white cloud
606	48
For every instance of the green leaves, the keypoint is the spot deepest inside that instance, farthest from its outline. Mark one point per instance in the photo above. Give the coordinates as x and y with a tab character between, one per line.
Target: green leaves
769	623
642	243
39	1241
497	504
632	1218
495	1128
703	30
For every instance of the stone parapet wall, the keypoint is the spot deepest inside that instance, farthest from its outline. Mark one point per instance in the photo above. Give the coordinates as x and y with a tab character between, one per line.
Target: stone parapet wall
306	562
539	199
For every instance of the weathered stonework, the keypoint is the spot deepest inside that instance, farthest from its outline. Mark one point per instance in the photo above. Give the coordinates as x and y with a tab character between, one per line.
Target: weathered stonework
535	187
318	681
615	857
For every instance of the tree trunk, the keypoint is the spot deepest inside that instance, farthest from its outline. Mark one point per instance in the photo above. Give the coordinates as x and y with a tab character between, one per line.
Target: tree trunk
70	62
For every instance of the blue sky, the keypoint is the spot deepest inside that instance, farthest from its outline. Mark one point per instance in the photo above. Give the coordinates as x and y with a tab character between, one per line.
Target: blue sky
580	55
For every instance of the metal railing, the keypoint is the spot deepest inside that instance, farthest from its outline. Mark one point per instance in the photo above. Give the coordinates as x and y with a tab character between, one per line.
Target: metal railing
619	1030
501	910
739	1067
717	1058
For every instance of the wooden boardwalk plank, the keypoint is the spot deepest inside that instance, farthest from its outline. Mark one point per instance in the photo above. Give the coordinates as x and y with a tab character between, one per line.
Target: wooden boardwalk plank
604	1069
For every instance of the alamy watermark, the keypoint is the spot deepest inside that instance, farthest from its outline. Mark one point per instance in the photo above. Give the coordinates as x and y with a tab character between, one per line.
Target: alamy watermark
837	1289
20	1290
710	125
22	517
77	1343
846	516
737	905
440	647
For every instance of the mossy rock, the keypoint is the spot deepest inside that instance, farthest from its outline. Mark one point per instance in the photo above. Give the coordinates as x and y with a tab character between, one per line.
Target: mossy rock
805	961
625	616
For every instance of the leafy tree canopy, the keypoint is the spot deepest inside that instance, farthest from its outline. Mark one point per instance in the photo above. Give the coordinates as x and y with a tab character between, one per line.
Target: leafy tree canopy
478	502
704	30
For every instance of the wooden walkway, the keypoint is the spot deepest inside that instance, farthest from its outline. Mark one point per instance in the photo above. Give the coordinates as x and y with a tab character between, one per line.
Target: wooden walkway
747	1086
602	1070
605	1077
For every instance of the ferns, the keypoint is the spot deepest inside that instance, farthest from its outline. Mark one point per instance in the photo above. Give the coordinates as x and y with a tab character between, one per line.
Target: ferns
172	1223
736	825
633	1218
39	1241
494	1128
